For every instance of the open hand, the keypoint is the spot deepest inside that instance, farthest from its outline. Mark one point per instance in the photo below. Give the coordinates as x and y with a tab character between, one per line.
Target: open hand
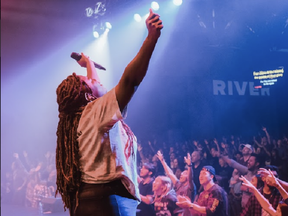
247	183
188	159
263	172
271	179
160	156
139	147
183	202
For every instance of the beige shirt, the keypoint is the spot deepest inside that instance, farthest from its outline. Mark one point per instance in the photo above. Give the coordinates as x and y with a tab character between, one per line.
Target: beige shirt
102	141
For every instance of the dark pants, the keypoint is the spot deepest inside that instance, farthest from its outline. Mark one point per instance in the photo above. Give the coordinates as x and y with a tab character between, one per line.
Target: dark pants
110	199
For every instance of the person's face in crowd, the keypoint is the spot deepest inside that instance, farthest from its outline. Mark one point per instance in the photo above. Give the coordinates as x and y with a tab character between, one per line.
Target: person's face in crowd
157	186
205	177
155	161
274	153
195	157
264	140
98	90
258	150
238	156
252	164
279	142
172	157
144	172
184	176
150	157
254	181
199	146
175	161
213	152
274	173
221	162
184	148
171	150
246	151
205	155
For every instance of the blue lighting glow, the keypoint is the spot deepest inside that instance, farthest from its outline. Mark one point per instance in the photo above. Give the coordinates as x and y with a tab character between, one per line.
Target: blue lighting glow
155	6
177	2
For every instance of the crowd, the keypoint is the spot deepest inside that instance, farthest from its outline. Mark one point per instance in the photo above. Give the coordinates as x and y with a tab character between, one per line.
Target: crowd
215	177
227	176
30	183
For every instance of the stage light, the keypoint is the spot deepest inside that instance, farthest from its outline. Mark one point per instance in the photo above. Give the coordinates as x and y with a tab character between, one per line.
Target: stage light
96	34
177	2
97	30
108	25
155	6
137	17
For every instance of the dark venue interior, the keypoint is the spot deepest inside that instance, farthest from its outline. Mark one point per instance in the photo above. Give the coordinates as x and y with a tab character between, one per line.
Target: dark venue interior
199	85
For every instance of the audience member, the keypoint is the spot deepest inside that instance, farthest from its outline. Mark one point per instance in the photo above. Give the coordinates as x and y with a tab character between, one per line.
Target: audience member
145	188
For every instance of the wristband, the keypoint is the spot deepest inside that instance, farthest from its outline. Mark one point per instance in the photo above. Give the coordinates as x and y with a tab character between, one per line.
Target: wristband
189	165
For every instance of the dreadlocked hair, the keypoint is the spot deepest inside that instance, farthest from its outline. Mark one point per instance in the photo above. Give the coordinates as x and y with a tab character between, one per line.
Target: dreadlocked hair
71	101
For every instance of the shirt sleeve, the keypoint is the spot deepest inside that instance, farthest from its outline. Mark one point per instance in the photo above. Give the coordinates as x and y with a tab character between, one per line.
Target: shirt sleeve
101	113
214	202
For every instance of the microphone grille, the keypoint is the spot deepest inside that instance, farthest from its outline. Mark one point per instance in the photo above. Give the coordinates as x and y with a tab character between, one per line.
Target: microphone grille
76	56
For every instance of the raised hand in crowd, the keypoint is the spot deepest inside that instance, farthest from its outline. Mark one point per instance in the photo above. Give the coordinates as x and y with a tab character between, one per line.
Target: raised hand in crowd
265	204
273	181
25	154
160	156
187	159
184	202
139	147
16	155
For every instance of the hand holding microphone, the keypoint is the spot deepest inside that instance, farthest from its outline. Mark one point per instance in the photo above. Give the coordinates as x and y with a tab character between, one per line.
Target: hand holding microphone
77	57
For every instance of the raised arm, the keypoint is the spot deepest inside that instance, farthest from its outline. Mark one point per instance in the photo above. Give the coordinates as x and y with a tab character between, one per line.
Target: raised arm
19	162
28	162
137	68
98	89
261	199
140	150
232	163
167	169
217	145
267	135
190	170
273	181
151	147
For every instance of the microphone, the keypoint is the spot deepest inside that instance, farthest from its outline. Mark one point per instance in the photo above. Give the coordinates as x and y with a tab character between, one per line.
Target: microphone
77	57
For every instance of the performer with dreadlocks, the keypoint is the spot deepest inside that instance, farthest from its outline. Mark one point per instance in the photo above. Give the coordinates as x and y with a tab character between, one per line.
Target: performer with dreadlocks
96	150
